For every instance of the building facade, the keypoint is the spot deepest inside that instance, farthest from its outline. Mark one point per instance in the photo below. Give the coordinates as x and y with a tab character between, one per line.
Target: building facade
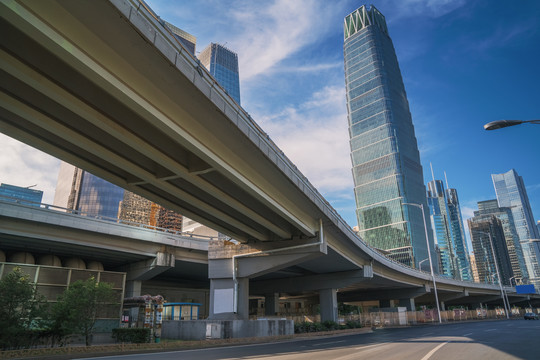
222	63
187	40
442	231
22	195
88	194
385	159
483	227
458	233
491	207
511	193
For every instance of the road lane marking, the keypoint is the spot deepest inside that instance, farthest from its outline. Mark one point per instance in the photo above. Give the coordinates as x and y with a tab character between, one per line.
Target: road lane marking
490	329
329	342
429	333
468	334
429	354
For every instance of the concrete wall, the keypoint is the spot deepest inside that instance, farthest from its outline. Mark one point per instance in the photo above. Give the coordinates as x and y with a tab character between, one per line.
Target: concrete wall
225	329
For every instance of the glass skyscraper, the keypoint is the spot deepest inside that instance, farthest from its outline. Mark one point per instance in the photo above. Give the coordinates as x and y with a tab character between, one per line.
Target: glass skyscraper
222	63
448	231
458	233
511	193
440	221
480	226
385	160
79	190
491	207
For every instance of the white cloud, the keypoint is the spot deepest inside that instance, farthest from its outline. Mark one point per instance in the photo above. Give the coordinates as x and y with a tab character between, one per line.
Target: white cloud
266	35
314	135
430	8
23	165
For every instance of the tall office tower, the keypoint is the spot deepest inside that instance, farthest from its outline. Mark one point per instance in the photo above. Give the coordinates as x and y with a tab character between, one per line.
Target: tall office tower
79	190
491	207
458	233
480	227
189	41
474	270
222	63
511	193
442	231
21	195
385	160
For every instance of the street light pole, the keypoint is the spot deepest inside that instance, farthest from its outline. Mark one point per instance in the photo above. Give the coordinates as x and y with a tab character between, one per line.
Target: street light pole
421	206
497	270
420	264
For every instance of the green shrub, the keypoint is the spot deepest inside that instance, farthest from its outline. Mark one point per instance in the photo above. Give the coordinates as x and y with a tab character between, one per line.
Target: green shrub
330	325
353	324
131	335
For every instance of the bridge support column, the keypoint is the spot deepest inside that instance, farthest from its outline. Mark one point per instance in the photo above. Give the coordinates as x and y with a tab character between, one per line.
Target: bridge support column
329	304
271	304
386	303
443	306
133	288
408	303
231	265
229	300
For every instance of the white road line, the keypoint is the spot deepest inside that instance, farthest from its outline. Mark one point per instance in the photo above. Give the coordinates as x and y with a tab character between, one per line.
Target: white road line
429	333
490	329
429	354
329	342
467	334
368	346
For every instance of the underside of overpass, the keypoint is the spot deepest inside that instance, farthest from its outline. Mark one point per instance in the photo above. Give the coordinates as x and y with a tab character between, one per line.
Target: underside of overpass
104	86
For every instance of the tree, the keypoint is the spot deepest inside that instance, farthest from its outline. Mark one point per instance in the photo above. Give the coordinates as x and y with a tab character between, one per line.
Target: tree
77	308
21	308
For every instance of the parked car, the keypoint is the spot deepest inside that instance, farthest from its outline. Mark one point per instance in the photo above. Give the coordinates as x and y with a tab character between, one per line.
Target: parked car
530	316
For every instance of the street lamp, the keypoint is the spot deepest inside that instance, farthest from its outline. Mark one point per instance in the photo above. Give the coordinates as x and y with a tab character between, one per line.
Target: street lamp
421	206
497	270
420	263
499	124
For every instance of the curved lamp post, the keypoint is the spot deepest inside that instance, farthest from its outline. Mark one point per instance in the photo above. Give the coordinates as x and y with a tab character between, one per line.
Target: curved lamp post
421	206
420	264
499	124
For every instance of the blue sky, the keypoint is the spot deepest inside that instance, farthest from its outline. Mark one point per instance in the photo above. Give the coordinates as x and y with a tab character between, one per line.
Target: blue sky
464	63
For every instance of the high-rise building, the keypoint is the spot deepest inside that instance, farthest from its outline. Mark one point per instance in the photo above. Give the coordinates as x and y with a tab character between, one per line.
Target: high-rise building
222	63
474	270
511	193
21	195
442	231
491	207
139	210
88	194
482	228
458	233
385	159
188	41
448	231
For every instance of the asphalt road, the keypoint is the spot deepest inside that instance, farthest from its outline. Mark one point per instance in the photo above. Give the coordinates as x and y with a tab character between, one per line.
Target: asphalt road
513	339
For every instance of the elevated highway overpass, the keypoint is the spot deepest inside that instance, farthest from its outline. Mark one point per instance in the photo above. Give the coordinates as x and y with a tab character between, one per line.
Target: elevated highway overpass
105	86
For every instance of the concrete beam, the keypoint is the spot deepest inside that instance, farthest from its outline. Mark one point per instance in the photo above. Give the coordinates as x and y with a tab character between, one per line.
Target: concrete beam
309	282
148	269
449	297
390	294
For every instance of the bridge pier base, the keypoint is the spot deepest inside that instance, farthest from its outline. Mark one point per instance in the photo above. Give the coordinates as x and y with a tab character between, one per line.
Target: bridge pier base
329	304
271	304
229	300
